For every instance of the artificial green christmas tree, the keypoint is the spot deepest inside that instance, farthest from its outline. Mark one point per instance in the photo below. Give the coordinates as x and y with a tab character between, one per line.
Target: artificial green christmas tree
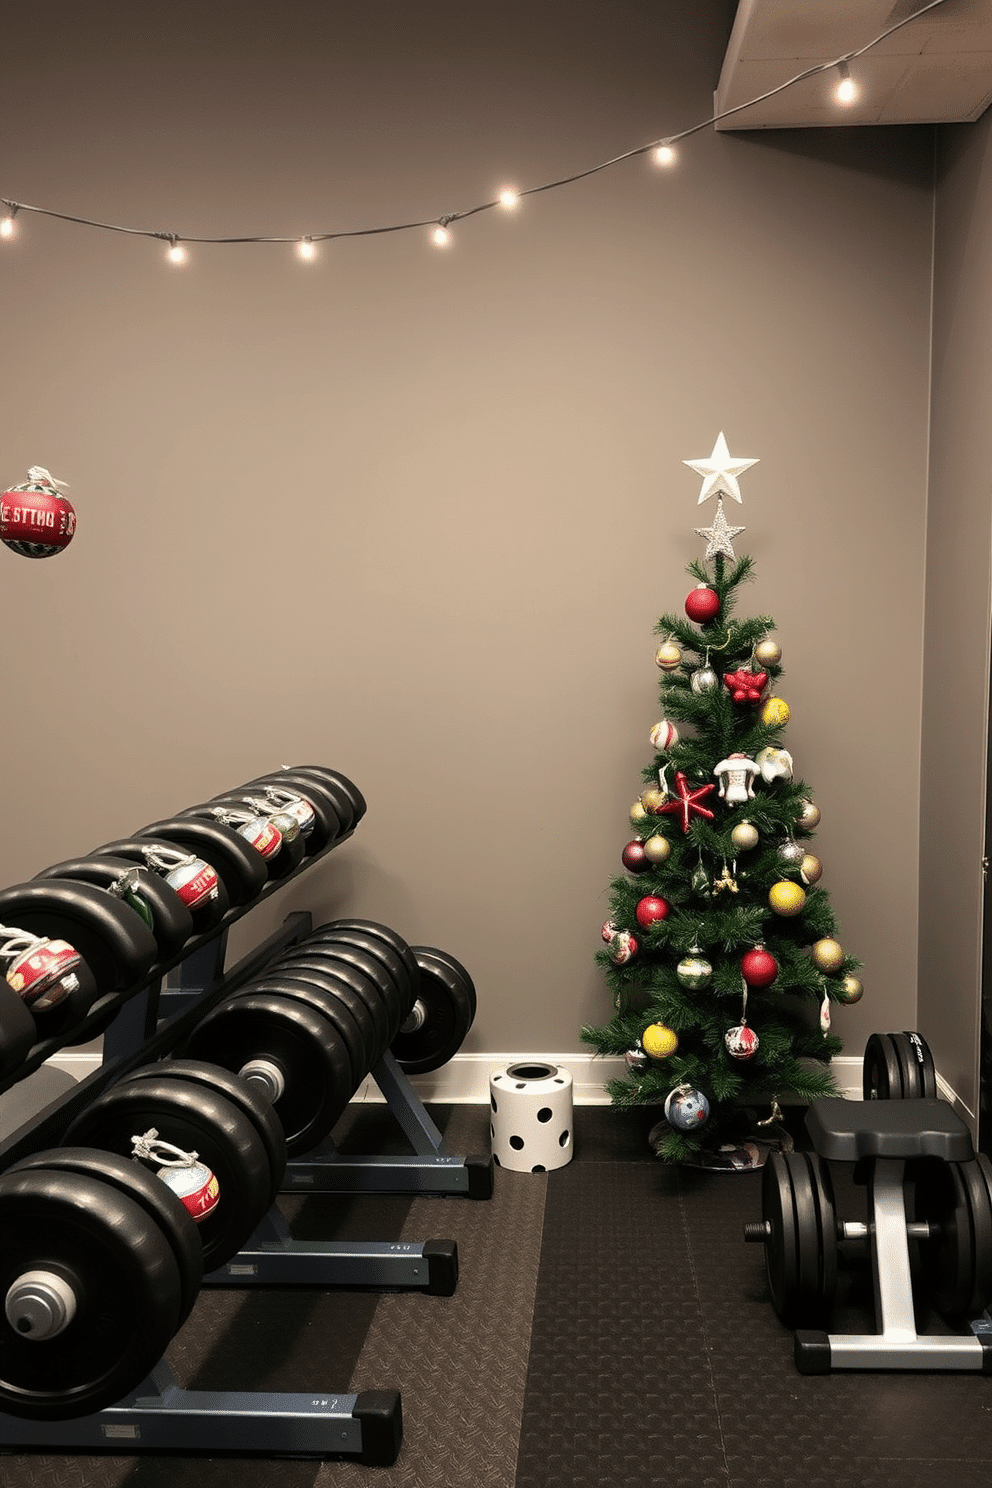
721	946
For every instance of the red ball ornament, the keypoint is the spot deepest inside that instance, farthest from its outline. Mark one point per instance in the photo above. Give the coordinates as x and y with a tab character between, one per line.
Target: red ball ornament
36	520
651	909
742	1042
758	967
702	604
634	858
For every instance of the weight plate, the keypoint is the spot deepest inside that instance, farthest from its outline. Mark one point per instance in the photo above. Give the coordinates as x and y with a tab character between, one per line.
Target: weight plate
975	1178
328	825
358	1039
244	1095
123	1273
239	866
206	914
447	1011
402	968
278	864
781	1256
939	1197
823	1193
341	953
909	1075
330	791
300	959
881	1077
18	1031
918	1050
140	1184
172	924
304	1045
194	1119
437	960
112	939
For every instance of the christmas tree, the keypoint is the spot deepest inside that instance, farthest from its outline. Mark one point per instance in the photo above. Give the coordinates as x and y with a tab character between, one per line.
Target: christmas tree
721	946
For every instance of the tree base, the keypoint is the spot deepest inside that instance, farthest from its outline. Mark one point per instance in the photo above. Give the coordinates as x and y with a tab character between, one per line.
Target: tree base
745	1154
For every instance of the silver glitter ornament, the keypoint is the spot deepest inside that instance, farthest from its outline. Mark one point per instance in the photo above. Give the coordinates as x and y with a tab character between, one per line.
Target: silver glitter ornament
791	852
704	680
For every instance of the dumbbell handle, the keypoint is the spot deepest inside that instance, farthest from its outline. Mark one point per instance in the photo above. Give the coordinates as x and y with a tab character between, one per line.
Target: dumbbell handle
415	1019
40	1305
759	1231
267	1075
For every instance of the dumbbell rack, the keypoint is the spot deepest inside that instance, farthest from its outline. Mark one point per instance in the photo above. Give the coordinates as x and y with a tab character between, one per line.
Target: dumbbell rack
149	1021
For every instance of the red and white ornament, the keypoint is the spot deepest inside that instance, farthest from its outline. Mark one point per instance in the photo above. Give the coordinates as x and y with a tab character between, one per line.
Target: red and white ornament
702	604
36	520
193	1183
259	832
742	1042
668	655
195	881
758	967
664	735
623	947
608	931
42	972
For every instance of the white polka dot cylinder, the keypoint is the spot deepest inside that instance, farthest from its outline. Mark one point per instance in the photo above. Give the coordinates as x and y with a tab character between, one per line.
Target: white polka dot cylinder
531	1117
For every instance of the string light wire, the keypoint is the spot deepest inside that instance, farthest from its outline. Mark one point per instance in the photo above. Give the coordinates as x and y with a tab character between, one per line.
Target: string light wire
663	148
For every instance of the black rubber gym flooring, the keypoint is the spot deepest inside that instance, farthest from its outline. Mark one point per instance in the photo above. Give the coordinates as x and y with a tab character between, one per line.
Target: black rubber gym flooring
610	1330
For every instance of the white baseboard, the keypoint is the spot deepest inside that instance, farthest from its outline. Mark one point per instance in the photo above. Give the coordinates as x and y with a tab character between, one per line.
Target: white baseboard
464	1080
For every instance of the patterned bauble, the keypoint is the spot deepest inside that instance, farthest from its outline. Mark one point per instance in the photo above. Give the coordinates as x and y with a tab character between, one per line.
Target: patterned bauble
774	764
790	852
744	836
194	1185
668	656
827	954
664	735
659	1041
758	967
653	799
636	1060
810	869
742	1042
704	680
768	653
36	520
657	848
623	947
633	858
809	817
608	931
850	990
775	711
786	898
702	604
651	909
44	972
686	1109
694	971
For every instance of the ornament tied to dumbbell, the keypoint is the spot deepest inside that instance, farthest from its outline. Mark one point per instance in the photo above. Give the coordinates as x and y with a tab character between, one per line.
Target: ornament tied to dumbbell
194	880
255	827
190	1180
41	971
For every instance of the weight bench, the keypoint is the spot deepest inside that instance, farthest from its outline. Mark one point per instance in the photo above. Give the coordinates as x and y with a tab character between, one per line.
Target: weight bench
929	1212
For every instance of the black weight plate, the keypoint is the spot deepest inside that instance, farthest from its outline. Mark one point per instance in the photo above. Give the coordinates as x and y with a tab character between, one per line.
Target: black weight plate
382	932
328	825
807	1221
909	1074
341	953
112	939
437	960
300	959
198	1120
205	915
18	1031
238	865
244	1095
295	1037
881	1076
823	1193
124	1273
140	1184
948	1258
781	1255
172	924
926	1075
448	1012
974	1179
331	792
334	780
291	851
403	972
358	1038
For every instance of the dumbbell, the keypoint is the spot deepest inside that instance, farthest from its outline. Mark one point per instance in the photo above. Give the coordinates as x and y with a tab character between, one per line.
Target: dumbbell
898	1066
194	879
141	889
100	1264
335	789
274	836
239	867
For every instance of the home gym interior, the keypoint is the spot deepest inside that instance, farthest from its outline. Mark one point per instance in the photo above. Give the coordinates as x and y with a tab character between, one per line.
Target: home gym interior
390	1086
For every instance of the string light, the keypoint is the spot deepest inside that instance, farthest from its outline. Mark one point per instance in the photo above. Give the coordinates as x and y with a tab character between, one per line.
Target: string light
847	90
662	150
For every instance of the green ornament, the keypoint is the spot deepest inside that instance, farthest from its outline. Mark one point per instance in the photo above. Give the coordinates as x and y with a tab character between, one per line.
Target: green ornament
694	971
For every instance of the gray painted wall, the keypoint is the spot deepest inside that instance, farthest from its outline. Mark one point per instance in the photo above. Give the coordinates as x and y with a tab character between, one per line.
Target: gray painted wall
414	514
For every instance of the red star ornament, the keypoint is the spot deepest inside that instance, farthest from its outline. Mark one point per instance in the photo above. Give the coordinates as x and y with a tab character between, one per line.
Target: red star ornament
745	687
687	802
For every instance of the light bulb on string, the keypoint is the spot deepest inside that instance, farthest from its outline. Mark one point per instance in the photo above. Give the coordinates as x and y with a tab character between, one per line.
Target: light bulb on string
306	248
847	90
441	237
176	253
7	225
508	198
664	153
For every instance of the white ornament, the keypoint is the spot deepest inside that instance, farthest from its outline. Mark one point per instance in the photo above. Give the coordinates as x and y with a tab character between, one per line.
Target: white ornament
718	537
774	764
825	1014
736	776
664	735
720	472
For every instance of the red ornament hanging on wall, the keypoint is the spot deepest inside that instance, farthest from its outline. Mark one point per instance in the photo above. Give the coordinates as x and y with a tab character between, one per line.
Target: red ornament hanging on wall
36	520
702	604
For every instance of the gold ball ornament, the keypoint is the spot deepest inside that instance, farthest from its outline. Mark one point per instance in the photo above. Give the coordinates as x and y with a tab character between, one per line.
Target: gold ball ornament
809	816
653	798
744	836
810	869
769	653
668	656
775	711
638	813
658	1041
657	849
851	990
827	954
786	898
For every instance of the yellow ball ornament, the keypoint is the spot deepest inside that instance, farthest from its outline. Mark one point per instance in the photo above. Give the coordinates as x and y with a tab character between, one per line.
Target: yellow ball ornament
657	849
652	798
637	813
851	989
810	869
786	898
775	711
668	656
658	1041
827	954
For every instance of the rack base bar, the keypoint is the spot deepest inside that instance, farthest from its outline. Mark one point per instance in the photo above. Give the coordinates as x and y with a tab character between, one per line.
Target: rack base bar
430	1266
334	1173
819	1353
